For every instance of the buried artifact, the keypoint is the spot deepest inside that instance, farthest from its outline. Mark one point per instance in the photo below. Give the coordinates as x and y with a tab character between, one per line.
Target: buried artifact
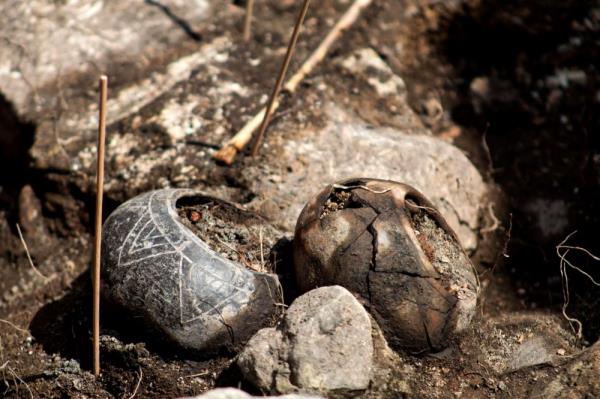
386	243
155	267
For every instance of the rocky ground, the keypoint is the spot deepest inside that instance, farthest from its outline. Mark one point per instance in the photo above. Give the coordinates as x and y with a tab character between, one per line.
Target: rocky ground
489	108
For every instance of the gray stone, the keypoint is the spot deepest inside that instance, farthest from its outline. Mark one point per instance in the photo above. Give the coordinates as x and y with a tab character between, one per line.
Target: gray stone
348	148
43	42
232	393
577	378
324	344
530	353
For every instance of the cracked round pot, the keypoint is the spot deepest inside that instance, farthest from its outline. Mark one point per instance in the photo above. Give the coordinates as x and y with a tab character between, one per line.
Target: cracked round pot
386	242
158	269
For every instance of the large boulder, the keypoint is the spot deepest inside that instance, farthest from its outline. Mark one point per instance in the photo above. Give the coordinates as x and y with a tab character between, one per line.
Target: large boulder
47	43
347	148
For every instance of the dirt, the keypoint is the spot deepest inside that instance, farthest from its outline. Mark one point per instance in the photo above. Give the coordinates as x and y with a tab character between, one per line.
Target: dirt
495	68
439	247
338	200
518	86
237	234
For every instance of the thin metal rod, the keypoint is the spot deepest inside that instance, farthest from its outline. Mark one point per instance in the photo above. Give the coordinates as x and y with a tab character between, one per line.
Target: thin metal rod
103	84
248	20
282	72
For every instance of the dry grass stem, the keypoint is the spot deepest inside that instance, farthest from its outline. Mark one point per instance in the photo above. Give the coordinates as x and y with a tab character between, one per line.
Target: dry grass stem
15	378
238	142
200	374
495	222
14	326
488	154
35	269
564	262
342	187
137	386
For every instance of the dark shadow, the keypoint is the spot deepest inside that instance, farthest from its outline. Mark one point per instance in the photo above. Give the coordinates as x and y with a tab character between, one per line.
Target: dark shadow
182	23
16	138
232	377
282	256
526	73
64	326
203	144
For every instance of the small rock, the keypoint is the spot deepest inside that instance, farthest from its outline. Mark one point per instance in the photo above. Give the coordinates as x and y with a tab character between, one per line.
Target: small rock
480	87
366	62
576	379
232	393
323	345
530	353
77	384
431	111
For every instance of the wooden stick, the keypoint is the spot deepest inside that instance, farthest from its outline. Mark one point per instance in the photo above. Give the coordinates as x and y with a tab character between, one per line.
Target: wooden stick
248	20
279	82
237	143
98	238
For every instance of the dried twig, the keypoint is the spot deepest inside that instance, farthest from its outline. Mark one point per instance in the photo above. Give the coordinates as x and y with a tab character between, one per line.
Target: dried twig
35	269
14	326
137	385
103	83
27	252
237	143
15	378
248	20
573	322
504	251
342	187
488	154
495	222
200	374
